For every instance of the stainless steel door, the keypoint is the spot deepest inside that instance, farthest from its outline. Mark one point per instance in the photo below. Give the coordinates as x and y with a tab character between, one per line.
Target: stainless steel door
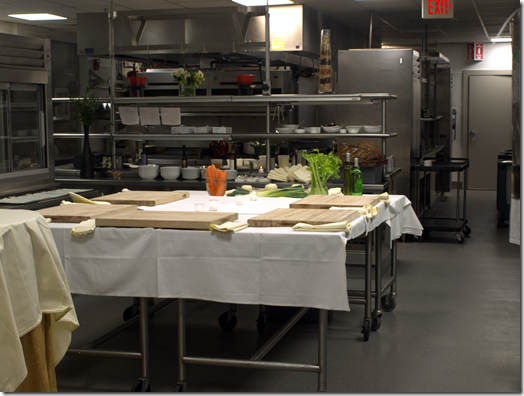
27	127
5	146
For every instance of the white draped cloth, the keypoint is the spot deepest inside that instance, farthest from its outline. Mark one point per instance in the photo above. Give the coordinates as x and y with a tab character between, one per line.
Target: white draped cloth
32	283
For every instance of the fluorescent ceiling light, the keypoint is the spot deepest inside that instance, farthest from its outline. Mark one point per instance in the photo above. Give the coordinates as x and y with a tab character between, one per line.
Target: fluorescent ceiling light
253	3
37	17
501	40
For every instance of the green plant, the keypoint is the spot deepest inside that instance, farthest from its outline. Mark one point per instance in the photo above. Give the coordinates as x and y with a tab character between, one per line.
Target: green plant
322	167
188	76
87	105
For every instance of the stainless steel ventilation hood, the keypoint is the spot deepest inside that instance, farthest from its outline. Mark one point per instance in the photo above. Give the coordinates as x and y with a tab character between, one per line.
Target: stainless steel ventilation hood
167	34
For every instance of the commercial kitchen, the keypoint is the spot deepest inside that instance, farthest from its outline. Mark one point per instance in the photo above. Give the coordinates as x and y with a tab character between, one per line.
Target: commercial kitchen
165	219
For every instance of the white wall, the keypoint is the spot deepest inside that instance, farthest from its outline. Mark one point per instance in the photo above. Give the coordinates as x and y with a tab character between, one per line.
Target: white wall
497	56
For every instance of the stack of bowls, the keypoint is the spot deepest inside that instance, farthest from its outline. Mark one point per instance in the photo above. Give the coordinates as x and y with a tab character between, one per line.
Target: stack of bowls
170	172
148	172
231	174
190	173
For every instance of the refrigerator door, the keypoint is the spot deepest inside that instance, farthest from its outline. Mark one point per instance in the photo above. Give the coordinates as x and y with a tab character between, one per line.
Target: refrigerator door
390	71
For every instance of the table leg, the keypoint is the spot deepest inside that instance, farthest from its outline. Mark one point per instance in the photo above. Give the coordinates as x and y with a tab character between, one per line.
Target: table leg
322	349
182	381
367	291
375	324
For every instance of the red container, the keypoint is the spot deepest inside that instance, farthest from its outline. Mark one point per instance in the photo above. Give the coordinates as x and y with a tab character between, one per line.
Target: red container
137	81
245	79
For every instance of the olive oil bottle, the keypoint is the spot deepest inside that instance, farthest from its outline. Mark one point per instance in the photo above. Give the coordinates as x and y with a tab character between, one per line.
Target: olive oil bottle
356	180
347	176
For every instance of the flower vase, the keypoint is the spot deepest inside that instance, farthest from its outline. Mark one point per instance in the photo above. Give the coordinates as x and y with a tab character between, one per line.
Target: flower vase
317	188
186	89
87	168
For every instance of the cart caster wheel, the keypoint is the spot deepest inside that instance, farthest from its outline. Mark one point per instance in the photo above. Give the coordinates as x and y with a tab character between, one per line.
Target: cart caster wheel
466	230
459	238
225	324
261	324
140	386
388	306
366	330
375	325
417	238
129	313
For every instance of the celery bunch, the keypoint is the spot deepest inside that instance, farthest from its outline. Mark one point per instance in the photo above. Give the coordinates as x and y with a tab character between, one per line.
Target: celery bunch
322	167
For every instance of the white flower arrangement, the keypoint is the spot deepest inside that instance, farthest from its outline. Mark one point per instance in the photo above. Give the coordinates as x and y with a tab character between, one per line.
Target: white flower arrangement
188	76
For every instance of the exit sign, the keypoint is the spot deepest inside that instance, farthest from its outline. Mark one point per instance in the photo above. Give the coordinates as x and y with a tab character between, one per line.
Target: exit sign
437	9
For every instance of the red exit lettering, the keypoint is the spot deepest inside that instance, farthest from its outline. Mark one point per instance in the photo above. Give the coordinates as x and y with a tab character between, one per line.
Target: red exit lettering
438	7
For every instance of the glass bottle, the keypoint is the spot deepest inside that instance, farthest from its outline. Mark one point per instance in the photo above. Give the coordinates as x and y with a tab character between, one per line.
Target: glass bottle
184	157
347	176
356	180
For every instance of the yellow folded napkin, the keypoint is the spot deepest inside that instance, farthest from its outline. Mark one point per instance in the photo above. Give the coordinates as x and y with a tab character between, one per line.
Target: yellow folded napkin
125	190
368	211
84	228
335	191
228	227
65	203
79	199
331	227
384	197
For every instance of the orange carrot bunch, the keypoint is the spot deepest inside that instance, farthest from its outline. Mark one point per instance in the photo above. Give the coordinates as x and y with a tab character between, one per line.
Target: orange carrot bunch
216	181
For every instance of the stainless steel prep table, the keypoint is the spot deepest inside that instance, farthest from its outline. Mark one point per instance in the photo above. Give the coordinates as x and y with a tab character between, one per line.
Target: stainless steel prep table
255	266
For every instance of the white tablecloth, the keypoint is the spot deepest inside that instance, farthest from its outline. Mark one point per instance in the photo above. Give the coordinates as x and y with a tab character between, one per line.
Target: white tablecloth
270	266
32	283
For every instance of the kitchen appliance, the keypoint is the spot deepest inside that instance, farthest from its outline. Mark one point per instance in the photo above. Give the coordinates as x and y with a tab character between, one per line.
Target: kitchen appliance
26	115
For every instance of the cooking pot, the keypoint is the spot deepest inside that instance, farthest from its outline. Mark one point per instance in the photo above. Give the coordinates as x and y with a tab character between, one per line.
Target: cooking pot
245	79
248	149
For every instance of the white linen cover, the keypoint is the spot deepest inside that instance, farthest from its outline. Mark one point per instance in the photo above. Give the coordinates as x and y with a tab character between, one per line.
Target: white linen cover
257	265
32	282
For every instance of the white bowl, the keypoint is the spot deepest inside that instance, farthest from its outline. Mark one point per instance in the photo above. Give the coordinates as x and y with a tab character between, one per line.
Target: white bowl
353	128
294	126
285	129
300	130
331	129
343	130
148	172
313	130
190	173
231	174
372	128
170	172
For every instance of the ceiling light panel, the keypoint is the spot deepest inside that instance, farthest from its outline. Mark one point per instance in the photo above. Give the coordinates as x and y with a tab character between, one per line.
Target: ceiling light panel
254	3
37	17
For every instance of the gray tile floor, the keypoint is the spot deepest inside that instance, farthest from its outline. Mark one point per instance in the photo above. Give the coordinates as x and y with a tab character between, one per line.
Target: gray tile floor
456	328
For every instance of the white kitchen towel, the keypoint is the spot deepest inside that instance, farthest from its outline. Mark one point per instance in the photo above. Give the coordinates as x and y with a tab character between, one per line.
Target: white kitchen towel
84	228
230	226
343	226
149	116
79	199
170	115
129	115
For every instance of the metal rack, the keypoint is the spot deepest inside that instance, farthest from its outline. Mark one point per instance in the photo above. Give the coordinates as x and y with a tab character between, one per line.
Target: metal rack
458	224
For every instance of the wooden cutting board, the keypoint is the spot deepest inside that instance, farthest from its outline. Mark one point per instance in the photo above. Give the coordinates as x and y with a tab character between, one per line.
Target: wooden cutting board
327	201
165	219
75	213
143	198
290	217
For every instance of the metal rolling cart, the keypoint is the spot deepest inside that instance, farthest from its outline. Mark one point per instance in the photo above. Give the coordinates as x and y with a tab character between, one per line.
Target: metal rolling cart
375	286
458	224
